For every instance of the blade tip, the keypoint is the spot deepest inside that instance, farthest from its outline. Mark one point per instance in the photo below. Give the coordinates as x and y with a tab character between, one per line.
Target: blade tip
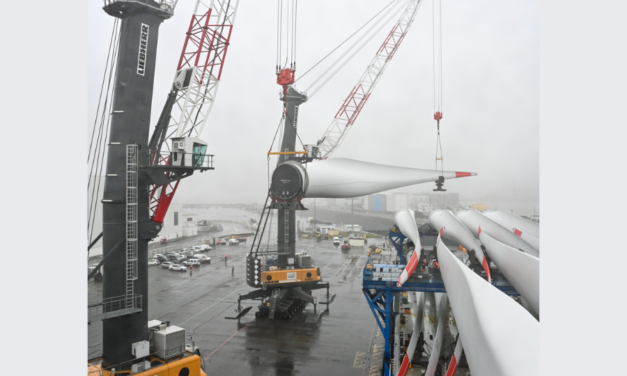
460	174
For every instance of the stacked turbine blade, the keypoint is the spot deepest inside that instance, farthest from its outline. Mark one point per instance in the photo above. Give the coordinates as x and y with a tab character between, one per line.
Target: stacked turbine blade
451	228
406	222
500	337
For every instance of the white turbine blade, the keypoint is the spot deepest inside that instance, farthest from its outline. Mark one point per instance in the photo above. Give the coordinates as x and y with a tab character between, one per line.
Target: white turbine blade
532	240
439	335
520	269
452	367
430	316
345	178
414	336
451	228
500	337
405	219
406	222
472	219
511	221
409	268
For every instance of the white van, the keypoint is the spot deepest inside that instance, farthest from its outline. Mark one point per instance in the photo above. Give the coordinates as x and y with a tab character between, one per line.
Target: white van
336	241
190	262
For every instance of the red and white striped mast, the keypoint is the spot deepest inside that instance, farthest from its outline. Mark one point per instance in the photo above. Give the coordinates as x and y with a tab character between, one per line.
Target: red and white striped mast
354	103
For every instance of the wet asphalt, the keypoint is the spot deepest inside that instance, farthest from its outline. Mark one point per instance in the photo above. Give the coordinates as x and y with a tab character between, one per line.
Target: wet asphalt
345	340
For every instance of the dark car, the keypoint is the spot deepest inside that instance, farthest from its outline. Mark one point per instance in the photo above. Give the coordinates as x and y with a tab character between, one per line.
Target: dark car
161	258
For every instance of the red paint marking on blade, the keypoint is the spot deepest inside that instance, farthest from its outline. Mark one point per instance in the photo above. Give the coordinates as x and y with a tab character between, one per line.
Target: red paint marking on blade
404	366
441	231
452	368
517	232
224	343
487	269
413	262
462	174
479	231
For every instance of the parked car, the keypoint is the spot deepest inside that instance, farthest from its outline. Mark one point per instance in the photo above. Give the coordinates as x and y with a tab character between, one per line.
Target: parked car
178	267
203	258
336	241
166	264
204	247
233	242
160	258
153	262
181	257
220	242
190	262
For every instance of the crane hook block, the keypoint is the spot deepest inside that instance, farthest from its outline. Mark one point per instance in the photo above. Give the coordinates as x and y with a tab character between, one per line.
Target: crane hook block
438	116
439	184
285	77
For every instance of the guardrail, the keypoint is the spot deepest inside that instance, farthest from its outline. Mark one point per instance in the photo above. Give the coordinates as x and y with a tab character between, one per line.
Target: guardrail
114	307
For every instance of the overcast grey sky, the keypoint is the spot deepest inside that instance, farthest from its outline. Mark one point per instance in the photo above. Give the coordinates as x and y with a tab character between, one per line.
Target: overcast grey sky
490	94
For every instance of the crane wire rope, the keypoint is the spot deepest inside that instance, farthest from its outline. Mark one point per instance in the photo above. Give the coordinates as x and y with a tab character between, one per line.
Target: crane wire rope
104	76
98	149
437	85
349	50
289	29
106	119
345	40
392	15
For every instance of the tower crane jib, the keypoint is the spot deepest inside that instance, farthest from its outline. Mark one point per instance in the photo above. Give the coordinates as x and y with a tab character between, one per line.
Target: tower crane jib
354	103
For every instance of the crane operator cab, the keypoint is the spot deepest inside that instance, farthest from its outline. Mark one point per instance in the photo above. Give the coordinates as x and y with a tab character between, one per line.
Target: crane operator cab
190	152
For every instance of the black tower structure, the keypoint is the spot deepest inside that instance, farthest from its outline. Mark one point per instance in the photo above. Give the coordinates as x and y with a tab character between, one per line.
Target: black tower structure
286	239
140	21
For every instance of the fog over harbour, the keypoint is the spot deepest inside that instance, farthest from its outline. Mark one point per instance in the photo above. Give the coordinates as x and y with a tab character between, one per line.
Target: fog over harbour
490	96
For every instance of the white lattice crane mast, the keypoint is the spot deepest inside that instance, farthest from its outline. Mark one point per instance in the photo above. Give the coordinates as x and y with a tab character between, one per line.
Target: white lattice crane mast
204	52
354	103
196	82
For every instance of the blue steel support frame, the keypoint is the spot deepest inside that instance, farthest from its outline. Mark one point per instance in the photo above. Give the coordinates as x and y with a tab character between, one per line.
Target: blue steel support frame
397	239
381	303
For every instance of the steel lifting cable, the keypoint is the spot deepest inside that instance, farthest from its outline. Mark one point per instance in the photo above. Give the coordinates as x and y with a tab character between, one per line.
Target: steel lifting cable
346	40
392	15
104	76
102	139
437	85
98	153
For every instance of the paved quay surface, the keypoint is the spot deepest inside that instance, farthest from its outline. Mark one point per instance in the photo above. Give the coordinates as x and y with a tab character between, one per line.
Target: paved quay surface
345	341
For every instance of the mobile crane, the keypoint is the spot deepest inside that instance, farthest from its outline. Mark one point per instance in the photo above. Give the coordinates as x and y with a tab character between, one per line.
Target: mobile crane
285	287
142	176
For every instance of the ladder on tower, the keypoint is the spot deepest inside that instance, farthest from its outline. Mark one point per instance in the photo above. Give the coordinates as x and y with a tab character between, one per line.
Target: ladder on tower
131	223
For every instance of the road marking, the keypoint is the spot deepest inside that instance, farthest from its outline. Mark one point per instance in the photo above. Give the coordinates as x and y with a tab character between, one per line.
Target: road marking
223	343
208	307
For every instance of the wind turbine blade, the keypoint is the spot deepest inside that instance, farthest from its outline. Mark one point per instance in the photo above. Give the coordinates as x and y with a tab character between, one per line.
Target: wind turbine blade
439	335
531	240
511	221
457	354
345	178
406	222
520	269
501	338
451	228
472	219
411	349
